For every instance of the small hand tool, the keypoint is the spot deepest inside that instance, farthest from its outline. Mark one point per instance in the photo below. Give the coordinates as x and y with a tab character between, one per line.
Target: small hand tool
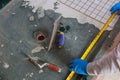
41	64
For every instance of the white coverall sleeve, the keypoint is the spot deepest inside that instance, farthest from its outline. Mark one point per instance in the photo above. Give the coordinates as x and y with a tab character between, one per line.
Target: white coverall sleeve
107	64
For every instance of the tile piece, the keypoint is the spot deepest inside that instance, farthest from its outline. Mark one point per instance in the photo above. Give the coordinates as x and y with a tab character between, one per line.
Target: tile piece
83	1
73	5
93	15
98	18
82	10
68	2
88	12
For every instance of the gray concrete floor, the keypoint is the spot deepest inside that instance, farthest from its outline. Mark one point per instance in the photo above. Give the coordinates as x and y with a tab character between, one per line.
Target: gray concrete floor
17	28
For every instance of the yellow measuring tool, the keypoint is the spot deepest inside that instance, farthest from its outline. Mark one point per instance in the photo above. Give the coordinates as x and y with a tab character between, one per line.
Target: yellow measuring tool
93	42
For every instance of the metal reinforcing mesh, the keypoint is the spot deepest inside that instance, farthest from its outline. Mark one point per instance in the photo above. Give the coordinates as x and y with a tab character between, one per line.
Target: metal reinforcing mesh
96	9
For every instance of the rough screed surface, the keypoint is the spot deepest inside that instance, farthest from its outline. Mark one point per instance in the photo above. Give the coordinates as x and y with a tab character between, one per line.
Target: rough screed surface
16	36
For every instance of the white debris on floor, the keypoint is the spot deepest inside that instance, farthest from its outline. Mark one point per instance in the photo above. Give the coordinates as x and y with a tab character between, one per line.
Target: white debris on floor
23	79
76	37
2	45
20	41
35	4
11	54
89	31
31	74
31	18
13	13
40	12
6	65
41	71
35	25
37	49
37	7
27	75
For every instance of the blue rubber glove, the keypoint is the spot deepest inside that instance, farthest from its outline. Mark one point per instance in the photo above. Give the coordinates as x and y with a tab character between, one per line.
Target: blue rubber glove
79	66
115	8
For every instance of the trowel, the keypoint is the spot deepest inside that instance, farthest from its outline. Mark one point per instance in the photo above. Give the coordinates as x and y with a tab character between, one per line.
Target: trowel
41	64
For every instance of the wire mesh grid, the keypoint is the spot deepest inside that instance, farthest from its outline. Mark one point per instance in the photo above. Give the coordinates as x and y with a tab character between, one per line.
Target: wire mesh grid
96	9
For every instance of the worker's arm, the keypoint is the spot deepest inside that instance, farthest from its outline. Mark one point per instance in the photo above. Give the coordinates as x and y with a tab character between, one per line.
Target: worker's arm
108	64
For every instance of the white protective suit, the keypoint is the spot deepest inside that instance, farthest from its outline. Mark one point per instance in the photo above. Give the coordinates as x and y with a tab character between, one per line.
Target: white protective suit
108	64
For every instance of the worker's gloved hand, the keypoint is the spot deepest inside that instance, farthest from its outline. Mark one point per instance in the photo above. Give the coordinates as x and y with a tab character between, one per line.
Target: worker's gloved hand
115	8
79	66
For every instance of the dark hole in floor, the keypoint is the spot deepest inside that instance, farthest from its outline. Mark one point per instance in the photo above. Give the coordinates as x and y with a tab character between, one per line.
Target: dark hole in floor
41	37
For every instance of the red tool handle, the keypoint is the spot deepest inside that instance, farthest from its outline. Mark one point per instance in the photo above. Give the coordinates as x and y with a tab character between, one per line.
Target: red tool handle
54	67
